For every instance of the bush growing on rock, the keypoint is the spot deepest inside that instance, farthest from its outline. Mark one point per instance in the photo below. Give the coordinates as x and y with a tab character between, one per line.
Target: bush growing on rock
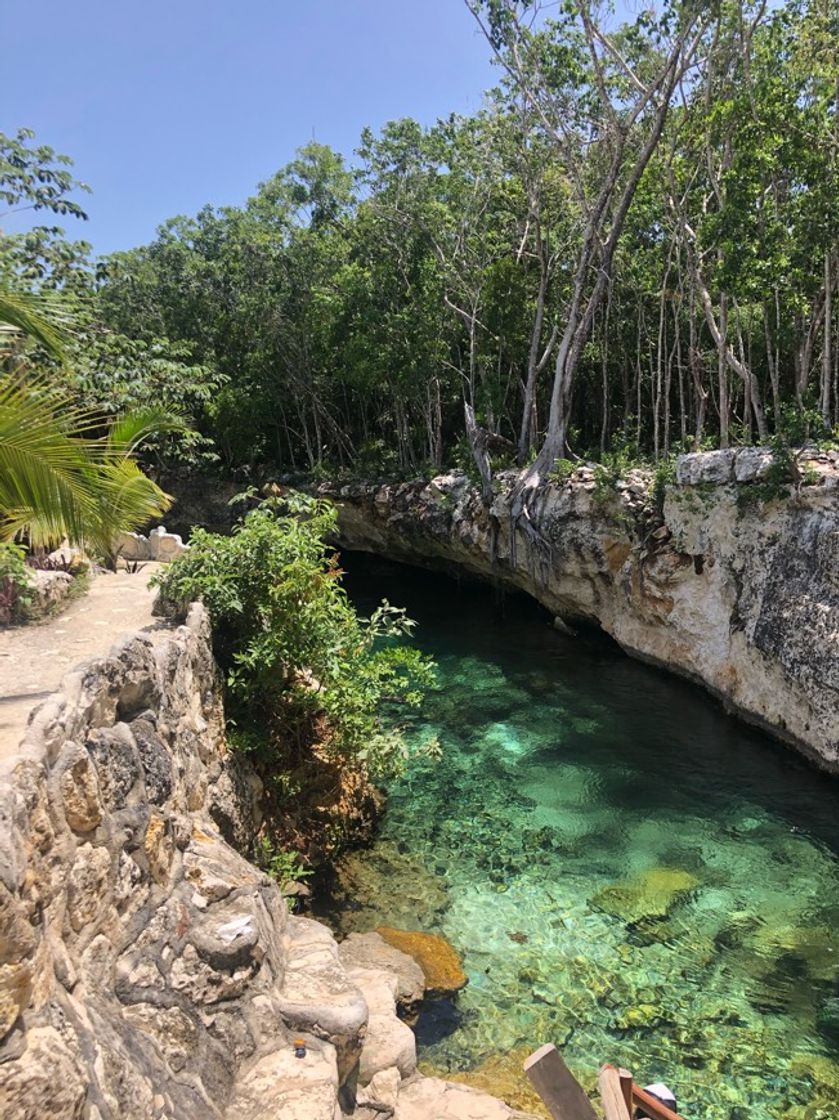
304	672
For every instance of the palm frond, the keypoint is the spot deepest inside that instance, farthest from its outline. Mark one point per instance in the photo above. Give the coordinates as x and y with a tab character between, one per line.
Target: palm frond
42	317
46	483
130	430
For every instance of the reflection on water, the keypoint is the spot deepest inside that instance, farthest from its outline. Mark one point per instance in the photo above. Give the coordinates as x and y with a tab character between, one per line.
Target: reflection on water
626	871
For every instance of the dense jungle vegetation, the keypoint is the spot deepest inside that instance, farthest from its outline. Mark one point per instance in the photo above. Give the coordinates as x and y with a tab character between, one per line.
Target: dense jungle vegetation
631	249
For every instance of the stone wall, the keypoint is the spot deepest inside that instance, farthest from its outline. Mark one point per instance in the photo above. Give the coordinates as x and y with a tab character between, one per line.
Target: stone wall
733	583
148	971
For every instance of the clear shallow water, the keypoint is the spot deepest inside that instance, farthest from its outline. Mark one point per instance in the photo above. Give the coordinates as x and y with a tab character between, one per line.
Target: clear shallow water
626	871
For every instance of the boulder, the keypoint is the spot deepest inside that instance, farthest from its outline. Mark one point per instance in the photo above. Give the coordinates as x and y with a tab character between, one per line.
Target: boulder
502	1076
714	468
753	463
439	962
316	994
371	951
283	1085
49	589
388	1042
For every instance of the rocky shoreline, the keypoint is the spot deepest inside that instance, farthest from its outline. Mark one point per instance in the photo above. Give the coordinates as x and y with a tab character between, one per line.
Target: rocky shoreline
147	969
724	576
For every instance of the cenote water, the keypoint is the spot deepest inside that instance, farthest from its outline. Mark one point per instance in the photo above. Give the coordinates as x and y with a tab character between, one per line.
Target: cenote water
626	871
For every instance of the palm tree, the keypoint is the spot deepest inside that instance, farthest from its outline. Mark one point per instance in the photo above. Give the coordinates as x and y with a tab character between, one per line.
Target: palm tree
60	478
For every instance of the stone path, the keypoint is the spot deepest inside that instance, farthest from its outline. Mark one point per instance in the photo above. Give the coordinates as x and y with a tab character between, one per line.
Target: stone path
34	658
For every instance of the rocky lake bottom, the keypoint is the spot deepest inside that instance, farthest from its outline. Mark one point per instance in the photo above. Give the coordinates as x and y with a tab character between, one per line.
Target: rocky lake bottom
625	870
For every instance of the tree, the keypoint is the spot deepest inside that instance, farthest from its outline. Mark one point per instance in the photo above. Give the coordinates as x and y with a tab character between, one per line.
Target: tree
602	100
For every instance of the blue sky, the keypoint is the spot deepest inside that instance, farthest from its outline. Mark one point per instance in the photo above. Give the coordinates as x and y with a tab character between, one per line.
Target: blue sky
167	105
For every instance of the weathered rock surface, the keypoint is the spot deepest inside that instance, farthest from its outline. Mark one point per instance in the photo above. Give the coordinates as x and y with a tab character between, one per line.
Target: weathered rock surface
733	583
148	970
371	951
444	1100
49	589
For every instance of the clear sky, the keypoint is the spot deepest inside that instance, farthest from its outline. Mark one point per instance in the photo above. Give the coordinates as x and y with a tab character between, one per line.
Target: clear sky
165	106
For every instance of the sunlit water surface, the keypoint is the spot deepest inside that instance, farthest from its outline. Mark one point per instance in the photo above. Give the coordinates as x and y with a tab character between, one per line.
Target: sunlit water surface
626	871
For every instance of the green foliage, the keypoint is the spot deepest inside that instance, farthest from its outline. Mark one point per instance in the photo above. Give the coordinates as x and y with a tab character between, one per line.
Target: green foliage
563	470
283	866
613	466
15	583
35	177
300	664
337	322
59	479
664	475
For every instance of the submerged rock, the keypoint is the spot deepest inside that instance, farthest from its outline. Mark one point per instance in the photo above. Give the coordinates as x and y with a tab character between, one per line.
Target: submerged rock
435	956
362	881
650	895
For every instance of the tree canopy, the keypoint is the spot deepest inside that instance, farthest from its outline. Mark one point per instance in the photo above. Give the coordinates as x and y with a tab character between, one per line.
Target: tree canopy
632	246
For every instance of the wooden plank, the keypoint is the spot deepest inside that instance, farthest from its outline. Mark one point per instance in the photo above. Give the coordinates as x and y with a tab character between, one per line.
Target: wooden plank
652	1106
626	1088
611	1094
556	1085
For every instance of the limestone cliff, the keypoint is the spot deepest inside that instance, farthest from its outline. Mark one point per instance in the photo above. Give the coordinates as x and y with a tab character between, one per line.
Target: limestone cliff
147	969
731	581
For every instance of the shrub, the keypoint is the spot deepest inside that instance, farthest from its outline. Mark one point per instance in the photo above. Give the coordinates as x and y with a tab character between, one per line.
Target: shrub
301	666
15	584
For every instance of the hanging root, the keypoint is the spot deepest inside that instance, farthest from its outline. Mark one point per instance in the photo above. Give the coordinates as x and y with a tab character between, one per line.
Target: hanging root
539	549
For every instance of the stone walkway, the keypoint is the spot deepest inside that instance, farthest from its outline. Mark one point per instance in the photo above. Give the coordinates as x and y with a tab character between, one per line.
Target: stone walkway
34	658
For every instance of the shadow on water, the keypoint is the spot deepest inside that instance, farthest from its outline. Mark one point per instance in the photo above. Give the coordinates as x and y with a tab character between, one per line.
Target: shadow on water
686	749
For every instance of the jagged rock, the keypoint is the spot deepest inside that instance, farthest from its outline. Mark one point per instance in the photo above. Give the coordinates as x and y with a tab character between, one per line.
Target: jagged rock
439	962
135	943
388	1042
753	463
48	1079
740	593
148	970
49	589
79	787
714	468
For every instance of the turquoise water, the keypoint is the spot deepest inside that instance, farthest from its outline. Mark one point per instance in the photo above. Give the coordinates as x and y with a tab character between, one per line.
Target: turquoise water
626	871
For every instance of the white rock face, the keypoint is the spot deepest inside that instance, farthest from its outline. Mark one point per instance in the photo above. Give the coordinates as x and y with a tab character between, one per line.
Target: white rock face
733	584
158	545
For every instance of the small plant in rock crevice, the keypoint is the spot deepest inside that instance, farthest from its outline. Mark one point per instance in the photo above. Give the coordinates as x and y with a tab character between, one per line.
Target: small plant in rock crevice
283	866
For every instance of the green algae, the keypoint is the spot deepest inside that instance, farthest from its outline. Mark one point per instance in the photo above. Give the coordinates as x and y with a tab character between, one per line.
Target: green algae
670	876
